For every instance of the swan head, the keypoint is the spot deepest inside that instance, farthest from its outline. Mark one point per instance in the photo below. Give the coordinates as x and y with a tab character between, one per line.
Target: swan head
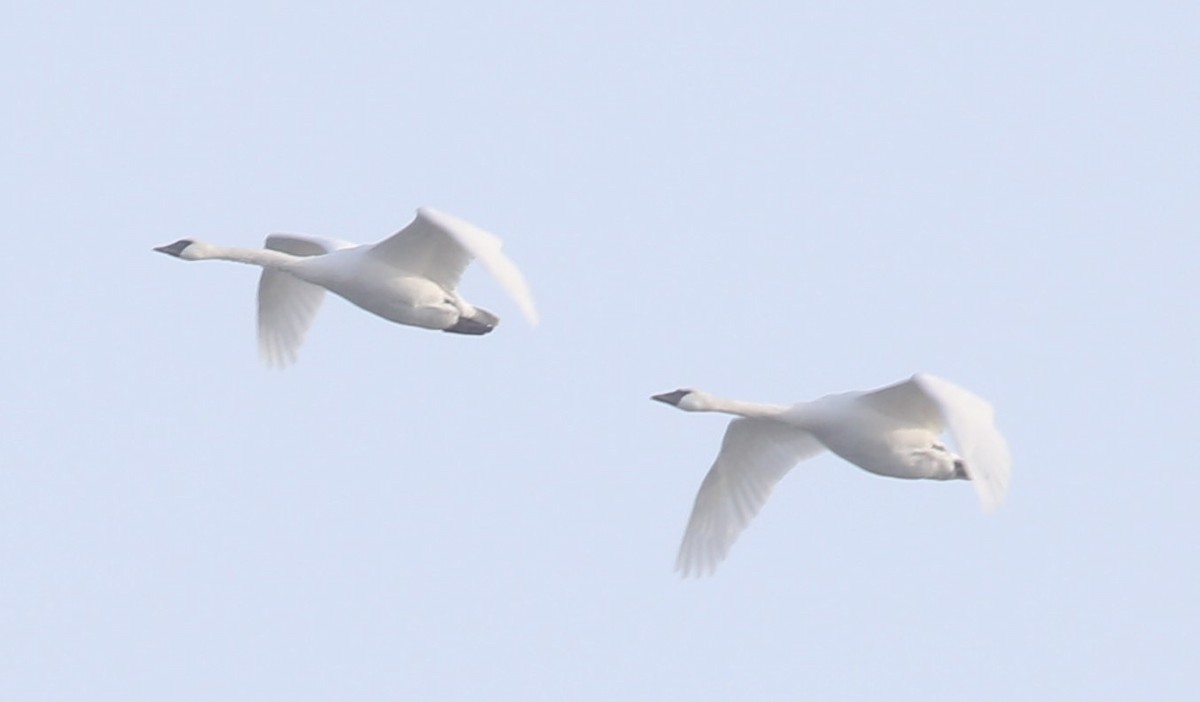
179	249
685	399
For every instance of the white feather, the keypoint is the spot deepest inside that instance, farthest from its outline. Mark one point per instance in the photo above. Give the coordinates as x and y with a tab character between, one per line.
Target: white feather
409	278
893	431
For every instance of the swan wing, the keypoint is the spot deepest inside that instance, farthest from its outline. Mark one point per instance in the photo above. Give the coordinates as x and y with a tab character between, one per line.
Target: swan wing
970	422
439	247
298	245
908	403
286	304
755	455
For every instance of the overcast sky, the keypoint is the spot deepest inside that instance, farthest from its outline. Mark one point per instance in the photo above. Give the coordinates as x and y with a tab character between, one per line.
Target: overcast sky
769	201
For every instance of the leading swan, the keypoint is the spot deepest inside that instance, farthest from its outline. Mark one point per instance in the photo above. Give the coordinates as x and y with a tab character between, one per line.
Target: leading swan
892	431
409	278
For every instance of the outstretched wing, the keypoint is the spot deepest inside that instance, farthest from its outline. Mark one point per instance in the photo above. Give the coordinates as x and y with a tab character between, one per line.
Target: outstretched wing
286	304
907	403
439	247
970	421
755	455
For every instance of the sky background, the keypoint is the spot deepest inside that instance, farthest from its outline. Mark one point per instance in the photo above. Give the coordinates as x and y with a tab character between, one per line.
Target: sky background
769	201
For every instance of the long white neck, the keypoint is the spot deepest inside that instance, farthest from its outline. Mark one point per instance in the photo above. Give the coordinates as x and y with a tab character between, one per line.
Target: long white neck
267	258
739	407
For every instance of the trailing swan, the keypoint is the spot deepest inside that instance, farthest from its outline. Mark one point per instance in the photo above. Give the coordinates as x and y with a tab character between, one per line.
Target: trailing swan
893	431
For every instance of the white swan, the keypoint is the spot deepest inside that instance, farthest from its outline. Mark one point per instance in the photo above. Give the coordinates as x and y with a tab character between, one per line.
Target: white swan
408	278
891	431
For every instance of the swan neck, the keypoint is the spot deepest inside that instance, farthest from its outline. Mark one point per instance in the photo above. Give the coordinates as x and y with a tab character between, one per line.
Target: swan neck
746	409
267	258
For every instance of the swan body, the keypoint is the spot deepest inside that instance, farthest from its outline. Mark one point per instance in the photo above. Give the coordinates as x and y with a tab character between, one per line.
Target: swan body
409	278
892	431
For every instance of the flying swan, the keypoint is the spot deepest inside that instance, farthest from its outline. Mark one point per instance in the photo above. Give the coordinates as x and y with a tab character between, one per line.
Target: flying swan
409	278
892	431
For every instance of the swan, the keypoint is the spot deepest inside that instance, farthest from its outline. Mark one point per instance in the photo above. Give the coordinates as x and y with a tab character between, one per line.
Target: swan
409	278
892	431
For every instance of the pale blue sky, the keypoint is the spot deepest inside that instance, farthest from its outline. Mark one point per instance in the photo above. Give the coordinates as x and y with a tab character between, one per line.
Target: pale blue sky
769	203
